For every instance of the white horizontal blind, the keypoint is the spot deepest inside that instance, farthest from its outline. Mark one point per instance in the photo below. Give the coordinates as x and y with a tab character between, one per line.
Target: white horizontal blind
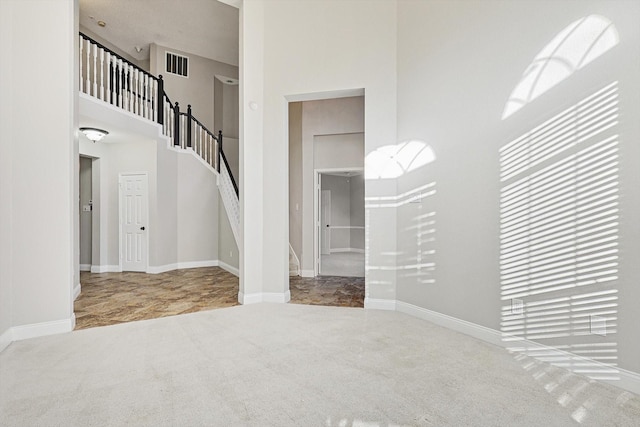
559	233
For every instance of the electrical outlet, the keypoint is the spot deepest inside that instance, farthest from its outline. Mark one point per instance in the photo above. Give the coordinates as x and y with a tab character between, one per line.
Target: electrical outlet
517	306
598	325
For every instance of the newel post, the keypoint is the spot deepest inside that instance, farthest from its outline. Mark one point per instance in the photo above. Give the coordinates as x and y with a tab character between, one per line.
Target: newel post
189	117
160	100
219	148
176	124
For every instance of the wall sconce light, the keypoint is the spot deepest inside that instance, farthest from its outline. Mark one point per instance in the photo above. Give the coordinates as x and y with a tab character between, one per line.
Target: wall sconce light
94	134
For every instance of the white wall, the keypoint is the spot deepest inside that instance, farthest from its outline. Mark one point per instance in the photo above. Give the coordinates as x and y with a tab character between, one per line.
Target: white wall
85	217
356	188
289	42
38	213
457	65
183	194
198	88
197	203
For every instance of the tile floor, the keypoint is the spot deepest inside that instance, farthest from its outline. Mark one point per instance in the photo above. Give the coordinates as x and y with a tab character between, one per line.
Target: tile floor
111	298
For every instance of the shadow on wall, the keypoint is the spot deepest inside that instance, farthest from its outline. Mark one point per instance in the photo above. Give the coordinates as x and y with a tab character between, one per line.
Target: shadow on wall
559	213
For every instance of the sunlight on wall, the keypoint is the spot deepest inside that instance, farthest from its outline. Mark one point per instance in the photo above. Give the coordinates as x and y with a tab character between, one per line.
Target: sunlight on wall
417	264
559	236
392	161
573	48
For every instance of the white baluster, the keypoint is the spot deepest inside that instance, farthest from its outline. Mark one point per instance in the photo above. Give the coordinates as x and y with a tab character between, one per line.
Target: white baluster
131	88
88	79
199	139
146	95
94	55
102	74
120	73
135	91
80	56
114	86
138	98
107	92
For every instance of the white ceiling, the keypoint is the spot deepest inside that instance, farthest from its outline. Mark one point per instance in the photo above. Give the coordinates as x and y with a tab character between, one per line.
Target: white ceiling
207	28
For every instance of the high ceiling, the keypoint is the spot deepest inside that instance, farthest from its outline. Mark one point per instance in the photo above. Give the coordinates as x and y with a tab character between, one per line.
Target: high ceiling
206	28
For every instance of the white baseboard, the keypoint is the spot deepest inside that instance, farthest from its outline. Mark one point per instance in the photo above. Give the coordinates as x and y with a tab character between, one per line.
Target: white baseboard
5	339
156	269
307	273
197	264
105	269
380	304
42	329
622	378
337	250
85	267
468	328
76	291
279	297
249	298
231	269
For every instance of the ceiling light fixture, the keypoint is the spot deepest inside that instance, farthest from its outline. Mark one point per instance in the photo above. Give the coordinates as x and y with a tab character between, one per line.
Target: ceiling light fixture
94	134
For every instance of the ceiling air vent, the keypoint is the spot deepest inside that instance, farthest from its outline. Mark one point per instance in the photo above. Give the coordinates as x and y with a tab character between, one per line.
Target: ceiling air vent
177	64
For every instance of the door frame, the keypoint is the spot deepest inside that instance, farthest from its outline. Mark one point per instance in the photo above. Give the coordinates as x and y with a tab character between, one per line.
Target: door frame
146	219
316	211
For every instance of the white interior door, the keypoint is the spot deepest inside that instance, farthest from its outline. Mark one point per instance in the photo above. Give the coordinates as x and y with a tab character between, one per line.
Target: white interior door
325	222
133	222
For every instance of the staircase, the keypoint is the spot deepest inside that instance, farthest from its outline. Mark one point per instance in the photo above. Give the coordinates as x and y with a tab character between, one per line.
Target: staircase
109	77
294	262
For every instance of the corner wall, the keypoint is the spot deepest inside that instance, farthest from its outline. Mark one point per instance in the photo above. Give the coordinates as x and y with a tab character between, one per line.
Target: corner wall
39	166
358	53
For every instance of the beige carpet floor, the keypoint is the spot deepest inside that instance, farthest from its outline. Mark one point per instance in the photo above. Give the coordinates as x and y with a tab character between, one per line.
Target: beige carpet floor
291	365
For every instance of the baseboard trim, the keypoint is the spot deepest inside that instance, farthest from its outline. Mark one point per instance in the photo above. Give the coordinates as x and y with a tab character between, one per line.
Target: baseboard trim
307	273
277	297
337	250
249	298
380	304
197	264
627	380
231	269
85	267
76	291
106	269
157	269
42	329
5	339
468	328
280	297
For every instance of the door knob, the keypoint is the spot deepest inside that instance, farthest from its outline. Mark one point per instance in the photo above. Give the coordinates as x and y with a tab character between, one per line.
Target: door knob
142	228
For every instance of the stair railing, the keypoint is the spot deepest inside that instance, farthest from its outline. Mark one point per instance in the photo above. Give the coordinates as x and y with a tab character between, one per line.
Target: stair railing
111	78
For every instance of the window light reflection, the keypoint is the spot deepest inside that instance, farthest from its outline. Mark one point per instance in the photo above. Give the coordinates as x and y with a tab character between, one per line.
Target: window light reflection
574	47
392	161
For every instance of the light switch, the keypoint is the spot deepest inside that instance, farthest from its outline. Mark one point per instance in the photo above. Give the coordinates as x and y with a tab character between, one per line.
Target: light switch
86	208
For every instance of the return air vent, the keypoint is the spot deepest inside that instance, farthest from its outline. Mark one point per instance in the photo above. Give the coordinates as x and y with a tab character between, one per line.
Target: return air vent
177	64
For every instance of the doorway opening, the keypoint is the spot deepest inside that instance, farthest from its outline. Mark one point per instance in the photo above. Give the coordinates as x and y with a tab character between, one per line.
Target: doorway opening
326	185
339	234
